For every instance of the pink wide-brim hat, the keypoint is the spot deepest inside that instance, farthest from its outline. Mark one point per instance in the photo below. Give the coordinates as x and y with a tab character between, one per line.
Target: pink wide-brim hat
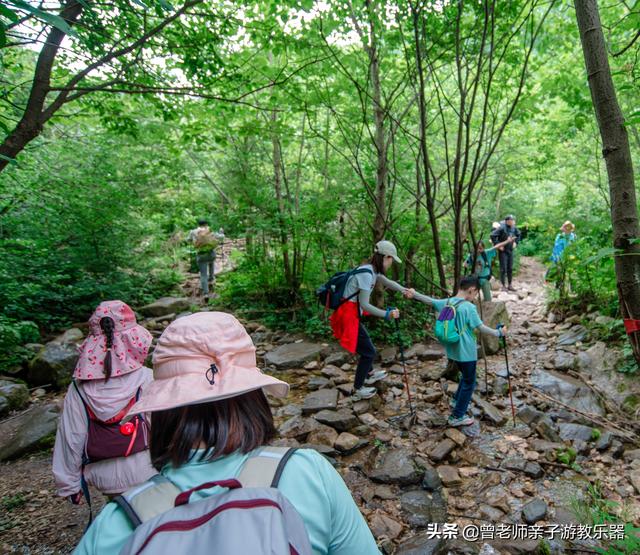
130	346
207	356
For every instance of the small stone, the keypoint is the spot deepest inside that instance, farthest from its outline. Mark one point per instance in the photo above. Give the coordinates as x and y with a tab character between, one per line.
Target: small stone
395	466
323	435
456	435
441	450
382	525
449	475
322	399
348	443
534	511
311	365
491	513
317	382
575	431
384	492
604	441
423	507
342	420
631	455
634	477
431	479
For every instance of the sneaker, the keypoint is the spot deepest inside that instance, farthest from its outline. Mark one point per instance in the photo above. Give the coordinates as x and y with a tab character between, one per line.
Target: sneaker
463	421
504	288
511	288
364	393
375	377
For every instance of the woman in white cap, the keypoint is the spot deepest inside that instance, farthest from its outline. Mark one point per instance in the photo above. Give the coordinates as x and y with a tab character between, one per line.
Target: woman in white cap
345	321
209	417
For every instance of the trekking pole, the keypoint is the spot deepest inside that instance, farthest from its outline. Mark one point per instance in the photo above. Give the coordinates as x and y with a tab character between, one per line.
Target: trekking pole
484	355
404	366
506	360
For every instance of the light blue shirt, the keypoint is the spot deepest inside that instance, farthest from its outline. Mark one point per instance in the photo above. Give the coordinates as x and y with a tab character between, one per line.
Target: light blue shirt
332	519
467	320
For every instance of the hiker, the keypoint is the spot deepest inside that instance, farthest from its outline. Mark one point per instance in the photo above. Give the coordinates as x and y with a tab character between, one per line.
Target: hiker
507	229
205	243
211	422
91	447
459	340
479	264
346	320
563	240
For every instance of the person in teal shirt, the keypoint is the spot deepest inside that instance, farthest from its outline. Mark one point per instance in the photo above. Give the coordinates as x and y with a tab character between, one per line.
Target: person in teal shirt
479	264
209	414
464	352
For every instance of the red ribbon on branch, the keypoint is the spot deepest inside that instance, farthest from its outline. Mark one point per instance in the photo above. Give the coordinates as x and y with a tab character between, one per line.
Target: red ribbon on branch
631	325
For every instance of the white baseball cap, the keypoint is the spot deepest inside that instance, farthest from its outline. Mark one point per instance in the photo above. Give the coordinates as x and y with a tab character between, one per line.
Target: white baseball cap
387	248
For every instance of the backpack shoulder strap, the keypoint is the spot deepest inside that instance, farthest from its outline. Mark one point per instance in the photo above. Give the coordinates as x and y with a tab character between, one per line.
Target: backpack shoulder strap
148	500
264	468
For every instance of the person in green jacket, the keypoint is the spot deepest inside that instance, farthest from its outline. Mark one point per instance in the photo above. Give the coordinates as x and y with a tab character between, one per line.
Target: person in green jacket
479	264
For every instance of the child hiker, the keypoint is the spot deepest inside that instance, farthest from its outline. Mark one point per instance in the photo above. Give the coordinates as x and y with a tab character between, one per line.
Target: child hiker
346	320
91	446
211	427
479	264
463	352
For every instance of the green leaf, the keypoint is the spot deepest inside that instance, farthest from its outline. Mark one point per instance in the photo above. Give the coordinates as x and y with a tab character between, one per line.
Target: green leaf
9	14
47	17
602	253
8	159
3	35
166	5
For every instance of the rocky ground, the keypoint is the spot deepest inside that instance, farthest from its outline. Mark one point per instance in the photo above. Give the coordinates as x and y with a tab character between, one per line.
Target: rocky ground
405	474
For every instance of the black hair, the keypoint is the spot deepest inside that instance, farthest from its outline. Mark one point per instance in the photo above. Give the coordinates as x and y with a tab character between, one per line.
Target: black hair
108	325
203	222
377	261
467	282
239	423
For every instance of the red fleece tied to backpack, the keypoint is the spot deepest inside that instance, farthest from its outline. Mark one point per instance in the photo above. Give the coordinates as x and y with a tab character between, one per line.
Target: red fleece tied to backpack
344	323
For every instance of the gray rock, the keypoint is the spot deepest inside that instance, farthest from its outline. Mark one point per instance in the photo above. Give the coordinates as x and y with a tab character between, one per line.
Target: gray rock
322	435
441	450
564	361
395	466
54	365
575	431
293	355
631	455
529	415
491	412
424	352
530	468
13	396
534	511
297	427
490	513
388	354
449	475
73	335
422	544
604	441
337	359
28	430
573	336
325	450
348	443
166	305
431	479
423	507
342	420
34	347
317	382
567	390
547	430
493	313
323	399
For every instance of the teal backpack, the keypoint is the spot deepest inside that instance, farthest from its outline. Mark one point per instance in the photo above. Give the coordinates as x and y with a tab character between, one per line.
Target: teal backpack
446	329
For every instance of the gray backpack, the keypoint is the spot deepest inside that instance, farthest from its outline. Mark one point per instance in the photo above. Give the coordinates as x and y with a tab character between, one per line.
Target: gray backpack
251	517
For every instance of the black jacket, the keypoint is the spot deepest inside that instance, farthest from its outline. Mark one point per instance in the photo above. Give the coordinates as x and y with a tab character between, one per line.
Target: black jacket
503	233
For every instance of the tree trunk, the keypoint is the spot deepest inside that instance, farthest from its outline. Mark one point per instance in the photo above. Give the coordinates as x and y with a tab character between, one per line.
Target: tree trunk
617	155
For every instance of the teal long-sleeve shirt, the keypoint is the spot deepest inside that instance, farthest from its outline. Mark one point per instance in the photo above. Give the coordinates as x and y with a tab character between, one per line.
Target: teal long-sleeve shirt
331	517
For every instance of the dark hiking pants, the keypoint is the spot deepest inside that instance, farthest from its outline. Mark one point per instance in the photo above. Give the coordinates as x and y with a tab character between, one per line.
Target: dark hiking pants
506	266
367	353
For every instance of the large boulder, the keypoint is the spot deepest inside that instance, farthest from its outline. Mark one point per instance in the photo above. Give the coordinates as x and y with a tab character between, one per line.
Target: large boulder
293	355
342	420
13	396
72	335
27	431
54	364
493	313
566	389
166	305
395	466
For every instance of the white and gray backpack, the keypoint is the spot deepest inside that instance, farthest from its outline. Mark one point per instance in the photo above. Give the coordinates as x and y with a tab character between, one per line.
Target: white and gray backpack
251	517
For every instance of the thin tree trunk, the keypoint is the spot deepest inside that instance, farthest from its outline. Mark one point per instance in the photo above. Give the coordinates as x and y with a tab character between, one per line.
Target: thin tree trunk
617	156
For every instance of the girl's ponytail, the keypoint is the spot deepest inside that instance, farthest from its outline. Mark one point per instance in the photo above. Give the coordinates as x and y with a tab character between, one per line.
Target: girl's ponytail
107	325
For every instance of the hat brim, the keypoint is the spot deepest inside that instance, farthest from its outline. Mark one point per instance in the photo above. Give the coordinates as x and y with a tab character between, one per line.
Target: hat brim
396	259
189	389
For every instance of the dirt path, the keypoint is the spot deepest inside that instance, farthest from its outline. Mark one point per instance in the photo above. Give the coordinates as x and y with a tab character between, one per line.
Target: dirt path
490	475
